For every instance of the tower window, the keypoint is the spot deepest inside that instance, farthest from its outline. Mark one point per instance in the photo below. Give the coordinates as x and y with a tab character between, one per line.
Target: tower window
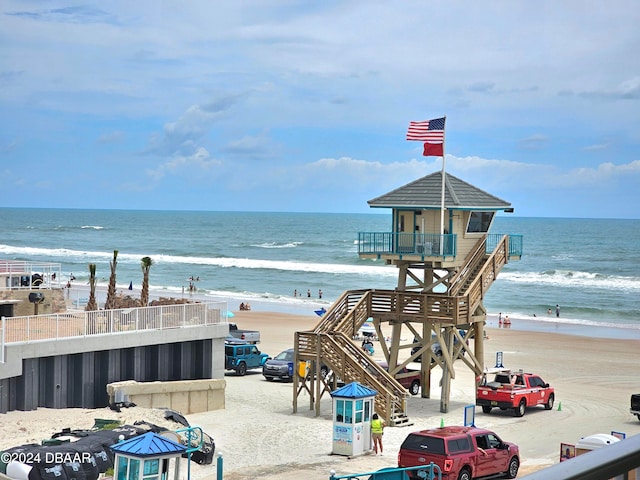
479	222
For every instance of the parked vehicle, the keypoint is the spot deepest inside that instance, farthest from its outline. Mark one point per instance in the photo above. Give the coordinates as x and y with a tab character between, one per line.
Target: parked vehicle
514	390
241	356
436	348
409	379
462	453
281	367
250	336
635	405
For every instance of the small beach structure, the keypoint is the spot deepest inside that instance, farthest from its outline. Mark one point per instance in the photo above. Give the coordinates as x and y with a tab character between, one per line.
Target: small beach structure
25	284
352	411
594	442
147	457
440	242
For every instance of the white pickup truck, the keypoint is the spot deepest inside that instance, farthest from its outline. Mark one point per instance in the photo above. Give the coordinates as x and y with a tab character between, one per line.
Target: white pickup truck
249	336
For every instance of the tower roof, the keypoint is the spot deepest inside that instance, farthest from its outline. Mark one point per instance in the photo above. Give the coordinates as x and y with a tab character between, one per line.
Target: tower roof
149	445
354	390
426	192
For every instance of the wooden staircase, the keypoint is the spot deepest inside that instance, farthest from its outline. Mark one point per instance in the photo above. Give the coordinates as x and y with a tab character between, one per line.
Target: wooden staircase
330	342
350	363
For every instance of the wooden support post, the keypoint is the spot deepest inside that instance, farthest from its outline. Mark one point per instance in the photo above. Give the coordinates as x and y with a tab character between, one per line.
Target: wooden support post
320	382
402	276
427	328
446	373
295	377
396	332
479	343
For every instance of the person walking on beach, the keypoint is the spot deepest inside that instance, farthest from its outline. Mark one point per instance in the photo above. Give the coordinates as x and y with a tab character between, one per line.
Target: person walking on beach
377	429
557	311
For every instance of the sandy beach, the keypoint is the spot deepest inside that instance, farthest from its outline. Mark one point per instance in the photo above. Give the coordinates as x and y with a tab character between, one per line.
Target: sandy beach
259	436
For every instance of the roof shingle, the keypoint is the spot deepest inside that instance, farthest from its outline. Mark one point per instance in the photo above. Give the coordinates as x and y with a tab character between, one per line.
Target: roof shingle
426	192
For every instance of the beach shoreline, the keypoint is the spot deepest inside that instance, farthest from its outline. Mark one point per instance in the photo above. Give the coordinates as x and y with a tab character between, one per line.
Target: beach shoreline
304	306
258	433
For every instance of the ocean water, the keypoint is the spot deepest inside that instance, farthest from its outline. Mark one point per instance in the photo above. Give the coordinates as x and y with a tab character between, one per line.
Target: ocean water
589	267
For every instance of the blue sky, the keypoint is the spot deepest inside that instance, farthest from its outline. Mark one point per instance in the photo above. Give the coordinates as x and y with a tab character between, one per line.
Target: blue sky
303	106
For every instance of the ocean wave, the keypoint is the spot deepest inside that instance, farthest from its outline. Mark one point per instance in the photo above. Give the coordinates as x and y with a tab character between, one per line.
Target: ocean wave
249	263
94	227
278	245
572	279
552	319
223	262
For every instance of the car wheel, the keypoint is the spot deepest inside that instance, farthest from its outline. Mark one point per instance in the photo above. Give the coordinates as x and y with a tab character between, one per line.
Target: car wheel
520	409
324	371
242	369
549	404
415	387
465	474
514	465
486	409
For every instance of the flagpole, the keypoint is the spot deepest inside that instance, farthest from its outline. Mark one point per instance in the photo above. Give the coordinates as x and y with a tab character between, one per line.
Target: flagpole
442	195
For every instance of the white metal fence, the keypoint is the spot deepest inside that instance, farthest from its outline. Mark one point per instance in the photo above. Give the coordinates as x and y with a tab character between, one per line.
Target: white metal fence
34	328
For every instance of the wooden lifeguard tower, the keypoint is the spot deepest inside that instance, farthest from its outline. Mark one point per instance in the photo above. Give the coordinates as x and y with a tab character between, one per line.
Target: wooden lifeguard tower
446	261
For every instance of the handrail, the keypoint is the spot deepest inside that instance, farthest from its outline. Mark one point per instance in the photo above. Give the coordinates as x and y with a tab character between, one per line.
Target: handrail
351	364
430	471
404	243
607	462
474	257
488	274
47	327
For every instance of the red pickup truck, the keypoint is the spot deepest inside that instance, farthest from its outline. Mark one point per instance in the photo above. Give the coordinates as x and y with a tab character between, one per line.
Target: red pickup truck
514	390
461	453
408	378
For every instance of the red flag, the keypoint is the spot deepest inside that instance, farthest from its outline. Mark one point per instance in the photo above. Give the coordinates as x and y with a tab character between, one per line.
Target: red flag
433	150
431	132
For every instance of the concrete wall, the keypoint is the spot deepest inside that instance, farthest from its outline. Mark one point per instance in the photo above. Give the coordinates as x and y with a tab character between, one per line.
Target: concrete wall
54	301
188	396
74	372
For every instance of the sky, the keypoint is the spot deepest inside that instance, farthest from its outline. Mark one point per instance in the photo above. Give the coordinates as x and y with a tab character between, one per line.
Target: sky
303	106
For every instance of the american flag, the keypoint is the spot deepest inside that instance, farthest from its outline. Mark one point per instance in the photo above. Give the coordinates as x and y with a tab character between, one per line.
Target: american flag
431	131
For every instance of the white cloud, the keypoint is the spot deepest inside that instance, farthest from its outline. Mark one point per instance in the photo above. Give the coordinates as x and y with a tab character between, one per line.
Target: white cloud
191	167
283	96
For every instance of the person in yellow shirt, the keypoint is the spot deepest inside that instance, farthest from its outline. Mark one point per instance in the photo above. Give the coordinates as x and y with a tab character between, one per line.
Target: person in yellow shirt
377	429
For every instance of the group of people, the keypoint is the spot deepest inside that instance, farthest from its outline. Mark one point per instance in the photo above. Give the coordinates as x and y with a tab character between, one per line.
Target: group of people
557	311
506	321
296	294
245	306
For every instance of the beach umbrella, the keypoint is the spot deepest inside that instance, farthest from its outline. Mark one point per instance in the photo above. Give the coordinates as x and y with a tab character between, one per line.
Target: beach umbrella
320	312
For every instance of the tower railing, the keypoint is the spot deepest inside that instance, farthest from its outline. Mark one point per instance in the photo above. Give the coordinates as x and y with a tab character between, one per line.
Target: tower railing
32	328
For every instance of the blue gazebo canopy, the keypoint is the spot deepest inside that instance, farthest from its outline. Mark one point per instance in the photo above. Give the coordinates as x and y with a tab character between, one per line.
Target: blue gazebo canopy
149	445
354	390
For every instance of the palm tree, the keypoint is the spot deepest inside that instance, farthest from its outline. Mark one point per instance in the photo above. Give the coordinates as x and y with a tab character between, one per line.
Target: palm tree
145	263
111	292
91	304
